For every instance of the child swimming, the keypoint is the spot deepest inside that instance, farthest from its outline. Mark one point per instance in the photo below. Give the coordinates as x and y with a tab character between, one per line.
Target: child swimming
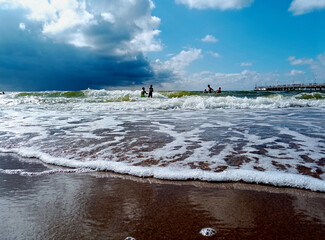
143	92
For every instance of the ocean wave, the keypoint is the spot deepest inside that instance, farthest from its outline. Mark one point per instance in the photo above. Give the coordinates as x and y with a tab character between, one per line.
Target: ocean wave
23	172
178	94
274	178
53	94
164	100
311	96
277	144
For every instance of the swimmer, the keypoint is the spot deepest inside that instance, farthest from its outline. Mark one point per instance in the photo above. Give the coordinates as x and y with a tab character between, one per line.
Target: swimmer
143	92
210	89
150	91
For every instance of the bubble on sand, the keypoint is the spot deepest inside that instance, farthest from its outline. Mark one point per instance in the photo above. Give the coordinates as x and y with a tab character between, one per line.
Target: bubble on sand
208	232
130	238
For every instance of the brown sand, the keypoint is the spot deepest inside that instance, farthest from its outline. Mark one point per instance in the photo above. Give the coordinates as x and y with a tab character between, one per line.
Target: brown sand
109	206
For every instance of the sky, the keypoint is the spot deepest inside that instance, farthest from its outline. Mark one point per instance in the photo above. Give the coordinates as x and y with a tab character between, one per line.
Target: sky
172	44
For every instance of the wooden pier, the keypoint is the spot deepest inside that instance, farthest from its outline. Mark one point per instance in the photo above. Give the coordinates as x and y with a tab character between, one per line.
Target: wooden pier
293	87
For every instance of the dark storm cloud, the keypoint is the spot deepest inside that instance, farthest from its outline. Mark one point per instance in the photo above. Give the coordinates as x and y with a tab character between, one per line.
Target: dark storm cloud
31	61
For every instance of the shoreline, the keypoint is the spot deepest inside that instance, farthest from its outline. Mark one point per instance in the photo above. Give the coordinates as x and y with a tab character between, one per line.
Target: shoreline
102	205
273	179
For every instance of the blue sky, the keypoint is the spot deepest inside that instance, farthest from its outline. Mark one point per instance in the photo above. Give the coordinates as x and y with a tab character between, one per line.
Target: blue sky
172	44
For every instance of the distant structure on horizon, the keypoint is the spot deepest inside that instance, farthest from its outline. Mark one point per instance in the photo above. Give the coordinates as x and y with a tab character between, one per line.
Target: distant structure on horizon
293	87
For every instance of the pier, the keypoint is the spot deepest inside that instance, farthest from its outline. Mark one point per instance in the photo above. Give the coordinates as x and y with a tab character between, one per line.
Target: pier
293	87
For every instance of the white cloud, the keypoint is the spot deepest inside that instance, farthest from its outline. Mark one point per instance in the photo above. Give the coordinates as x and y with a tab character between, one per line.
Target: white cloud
184	58
301	61
22	26
318	67
115	27
176	65
40	10
230	81
179	79
214	54
209	38
299	7
294	72
108	17
216	4
69	19
145	40
246	64
245	80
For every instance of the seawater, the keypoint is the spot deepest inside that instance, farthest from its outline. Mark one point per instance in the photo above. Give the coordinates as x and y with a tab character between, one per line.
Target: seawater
256	137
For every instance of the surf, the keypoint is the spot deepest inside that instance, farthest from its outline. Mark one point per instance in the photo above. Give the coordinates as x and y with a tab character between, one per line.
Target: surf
164	100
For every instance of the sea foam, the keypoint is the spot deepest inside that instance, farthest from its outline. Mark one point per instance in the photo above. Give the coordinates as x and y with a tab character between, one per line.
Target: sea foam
120	100
263	138
268	177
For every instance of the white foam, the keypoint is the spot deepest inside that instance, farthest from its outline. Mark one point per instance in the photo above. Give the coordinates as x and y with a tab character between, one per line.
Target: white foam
130	100
268	177
23	172
193	130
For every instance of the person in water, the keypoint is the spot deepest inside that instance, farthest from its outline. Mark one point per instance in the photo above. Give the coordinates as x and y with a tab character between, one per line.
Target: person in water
143	92
210	89
218	90
205	91
150	91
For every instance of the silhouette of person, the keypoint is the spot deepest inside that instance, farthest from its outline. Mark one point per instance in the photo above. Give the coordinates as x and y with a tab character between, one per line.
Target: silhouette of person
205	91
210	89
150	91
143	92
218	90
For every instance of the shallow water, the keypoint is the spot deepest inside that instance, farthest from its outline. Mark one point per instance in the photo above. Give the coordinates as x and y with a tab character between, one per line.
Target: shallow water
98	205
276	139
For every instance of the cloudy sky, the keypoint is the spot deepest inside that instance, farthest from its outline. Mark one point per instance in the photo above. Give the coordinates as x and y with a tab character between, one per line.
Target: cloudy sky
172	44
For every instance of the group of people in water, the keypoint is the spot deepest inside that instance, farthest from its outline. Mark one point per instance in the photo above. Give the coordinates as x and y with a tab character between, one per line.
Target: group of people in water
210	90
144	93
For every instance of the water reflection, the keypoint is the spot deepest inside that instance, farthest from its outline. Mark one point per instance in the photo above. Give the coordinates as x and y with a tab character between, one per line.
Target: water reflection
97	206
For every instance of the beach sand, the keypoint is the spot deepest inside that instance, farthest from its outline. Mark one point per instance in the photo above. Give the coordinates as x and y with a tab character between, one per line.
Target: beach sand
99	205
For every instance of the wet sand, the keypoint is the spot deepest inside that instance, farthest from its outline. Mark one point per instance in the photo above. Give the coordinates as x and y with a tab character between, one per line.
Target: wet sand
109	206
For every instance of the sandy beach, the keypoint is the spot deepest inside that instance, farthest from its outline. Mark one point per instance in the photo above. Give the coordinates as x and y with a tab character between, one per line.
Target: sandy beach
153	120
101	205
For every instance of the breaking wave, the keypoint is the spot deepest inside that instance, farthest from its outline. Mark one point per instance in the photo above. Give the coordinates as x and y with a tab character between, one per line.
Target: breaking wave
164	100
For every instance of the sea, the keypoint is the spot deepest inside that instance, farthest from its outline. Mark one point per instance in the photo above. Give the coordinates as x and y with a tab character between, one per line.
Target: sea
272	138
